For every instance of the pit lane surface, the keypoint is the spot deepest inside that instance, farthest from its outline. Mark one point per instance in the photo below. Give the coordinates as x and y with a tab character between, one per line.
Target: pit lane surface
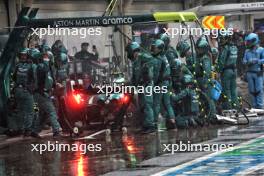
135	154
241	160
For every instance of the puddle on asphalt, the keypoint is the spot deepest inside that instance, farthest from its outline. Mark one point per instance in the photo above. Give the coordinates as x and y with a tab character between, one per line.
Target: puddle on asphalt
116	153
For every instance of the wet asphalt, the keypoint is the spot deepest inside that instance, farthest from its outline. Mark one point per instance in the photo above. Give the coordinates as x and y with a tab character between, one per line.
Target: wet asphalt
118	154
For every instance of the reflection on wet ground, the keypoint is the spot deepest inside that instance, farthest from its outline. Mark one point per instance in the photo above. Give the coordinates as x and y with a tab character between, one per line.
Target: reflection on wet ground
258	172
118	152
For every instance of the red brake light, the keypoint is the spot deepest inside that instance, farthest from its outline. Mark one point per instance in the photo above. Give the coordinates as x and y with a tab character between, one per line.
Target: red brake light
125	99
78	98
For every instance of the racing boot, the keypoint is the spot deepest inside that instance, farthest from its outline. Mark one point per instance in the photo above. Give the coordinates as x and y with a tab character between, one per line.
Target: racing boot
35	135
148	130
57	134
170	124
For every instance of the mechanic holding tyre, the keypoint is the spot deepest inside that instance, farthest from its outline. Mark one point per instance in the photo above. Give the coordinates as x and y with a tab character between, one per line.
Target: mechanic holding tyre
184	96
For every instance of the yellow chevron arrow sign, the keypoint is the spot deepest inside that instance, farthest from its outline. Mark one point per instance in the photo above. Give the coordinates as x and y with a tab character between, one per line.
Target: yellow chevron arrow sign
214	22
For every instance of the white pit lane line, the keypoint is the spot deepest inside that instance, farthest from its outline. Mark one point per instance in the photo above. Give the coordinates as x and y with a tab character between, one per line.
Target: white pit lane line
91	136
250	170
173	169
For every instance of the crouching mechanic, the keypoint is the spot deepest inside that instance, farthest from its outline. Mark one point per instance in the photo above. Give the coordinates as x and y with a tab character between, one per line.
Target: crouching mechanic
177	72
142	75
254	60
184	97
43	88
162	79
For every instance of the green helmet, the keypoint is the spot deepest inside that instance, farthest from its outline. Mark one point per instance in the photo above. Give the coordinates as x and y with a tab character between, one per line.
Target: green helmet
202	46
165	38
176	67
182	47
187	79
131	48
63	58
214	51
48	57
23	54
159	44
202	43
224	39
58	47
45	48
24	51
34	54
176	64
134	46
